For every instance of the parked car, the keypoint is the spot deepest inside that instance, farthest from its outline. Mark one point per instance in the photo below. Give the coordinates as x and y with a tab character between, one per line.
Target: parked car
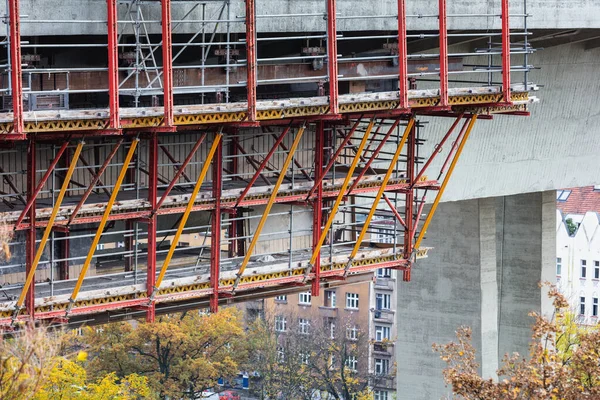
229	395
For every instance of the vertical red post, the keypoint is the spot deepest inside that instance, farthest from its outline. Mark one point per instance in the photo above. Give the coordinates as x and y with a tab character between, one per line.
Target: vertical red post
505	51
410	199
167	54
251	58
318	203
215	229
332	56
152	221
31	232
402	56
63	273
15	67
443	16
113	65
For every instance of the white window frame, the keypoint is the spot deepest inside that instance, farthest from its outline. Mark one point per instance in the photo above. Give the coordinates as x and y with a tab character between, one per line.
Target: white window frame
380	395
331	296
583	269
382	333
282	298
280	323
581	305
303	326
352	332
304	357
384	273
352	301
352	363
562	195
558	266
594	307
383	301
382	366
304	298
596	269
280	354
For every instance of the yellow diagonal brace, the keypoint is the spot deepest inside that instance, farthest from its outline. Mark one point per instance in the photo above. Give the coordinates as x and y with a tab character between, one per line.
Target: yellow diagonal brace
342	193
188	210
40	250
270	203
103	221
444	183
386	178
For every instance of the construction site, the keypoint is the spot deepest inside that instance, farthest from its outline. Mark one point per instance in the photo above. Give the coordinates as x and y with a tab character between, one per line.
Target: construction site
159	156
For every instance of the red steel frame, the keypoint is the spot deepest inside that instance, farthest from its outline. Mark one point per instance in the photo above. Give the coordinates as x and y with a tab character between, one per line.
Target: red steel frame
215	228
402	56
167	53
505	51
152	222
410	198
31	232
443	54
251	58
332	56
317	205
114	121
15	67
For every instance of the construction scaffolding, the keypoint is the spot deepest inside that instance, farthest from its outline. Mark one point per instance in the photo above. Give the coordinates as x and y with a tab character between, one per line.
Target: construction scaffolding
193	160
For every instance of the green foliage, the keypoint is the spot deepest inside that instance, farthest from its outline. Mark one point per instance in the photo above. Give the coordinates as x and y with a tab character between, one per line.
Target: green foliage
571	226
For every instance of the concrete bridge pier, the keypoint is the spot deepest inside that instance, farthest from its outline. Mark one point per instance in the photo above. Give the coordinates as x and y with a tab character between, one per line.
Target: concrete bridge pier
489	256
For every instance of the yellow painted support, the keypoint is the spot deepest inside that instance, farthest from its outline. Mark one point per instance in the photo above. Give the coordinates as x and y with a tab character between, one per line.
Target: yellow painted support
388	174
103	221
40	250
444	183
188	211
270	203
342	193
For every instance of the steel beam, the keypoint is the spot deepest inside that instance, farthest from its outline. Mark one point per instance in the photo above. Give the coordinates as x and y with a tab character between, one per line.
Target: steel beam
152	223
95	180
215	231
332	56
443	28
402	56
100	230
167	55
31	232
16	78
317	206
46	235
262	166
114	121
187	212
342	194
506	51
269	205
174	161
251	62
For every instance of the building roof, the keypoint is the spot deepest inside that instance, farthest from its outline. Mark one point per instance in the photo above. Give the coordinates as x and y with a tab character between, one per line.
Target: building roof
578	200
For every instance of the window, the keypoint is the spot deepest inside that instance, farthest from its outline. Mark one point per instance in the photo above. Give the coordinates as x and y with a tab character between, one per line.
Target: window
582	305
382	333
384	273
303	326
562	195
558	266
304	298
380	395
352	363
281	299
383	301
332	361
330	325
330	300
280	354
595	307
583	268
352	333
382	366
280	323
352	300
304	357
596	269
100	246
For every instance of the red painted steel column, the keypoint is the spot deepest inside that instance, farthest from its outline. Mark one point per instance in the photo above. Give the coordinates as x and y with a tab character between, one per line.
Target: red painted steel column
65	249
318	203
167	54
402	56
31	232
505	51
332	56
152	221
113	65
410	199
15	66
215	229
443	54
251	58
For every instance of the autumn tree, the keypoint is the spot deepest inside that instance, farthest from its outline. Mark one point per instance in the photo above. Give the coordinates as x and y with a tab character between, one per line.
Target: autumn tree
180	354
564	362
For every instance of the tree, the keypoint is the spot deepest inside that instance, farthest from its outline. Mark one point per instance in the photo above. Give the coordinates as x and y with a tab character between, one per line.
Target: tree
564	362
181	354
